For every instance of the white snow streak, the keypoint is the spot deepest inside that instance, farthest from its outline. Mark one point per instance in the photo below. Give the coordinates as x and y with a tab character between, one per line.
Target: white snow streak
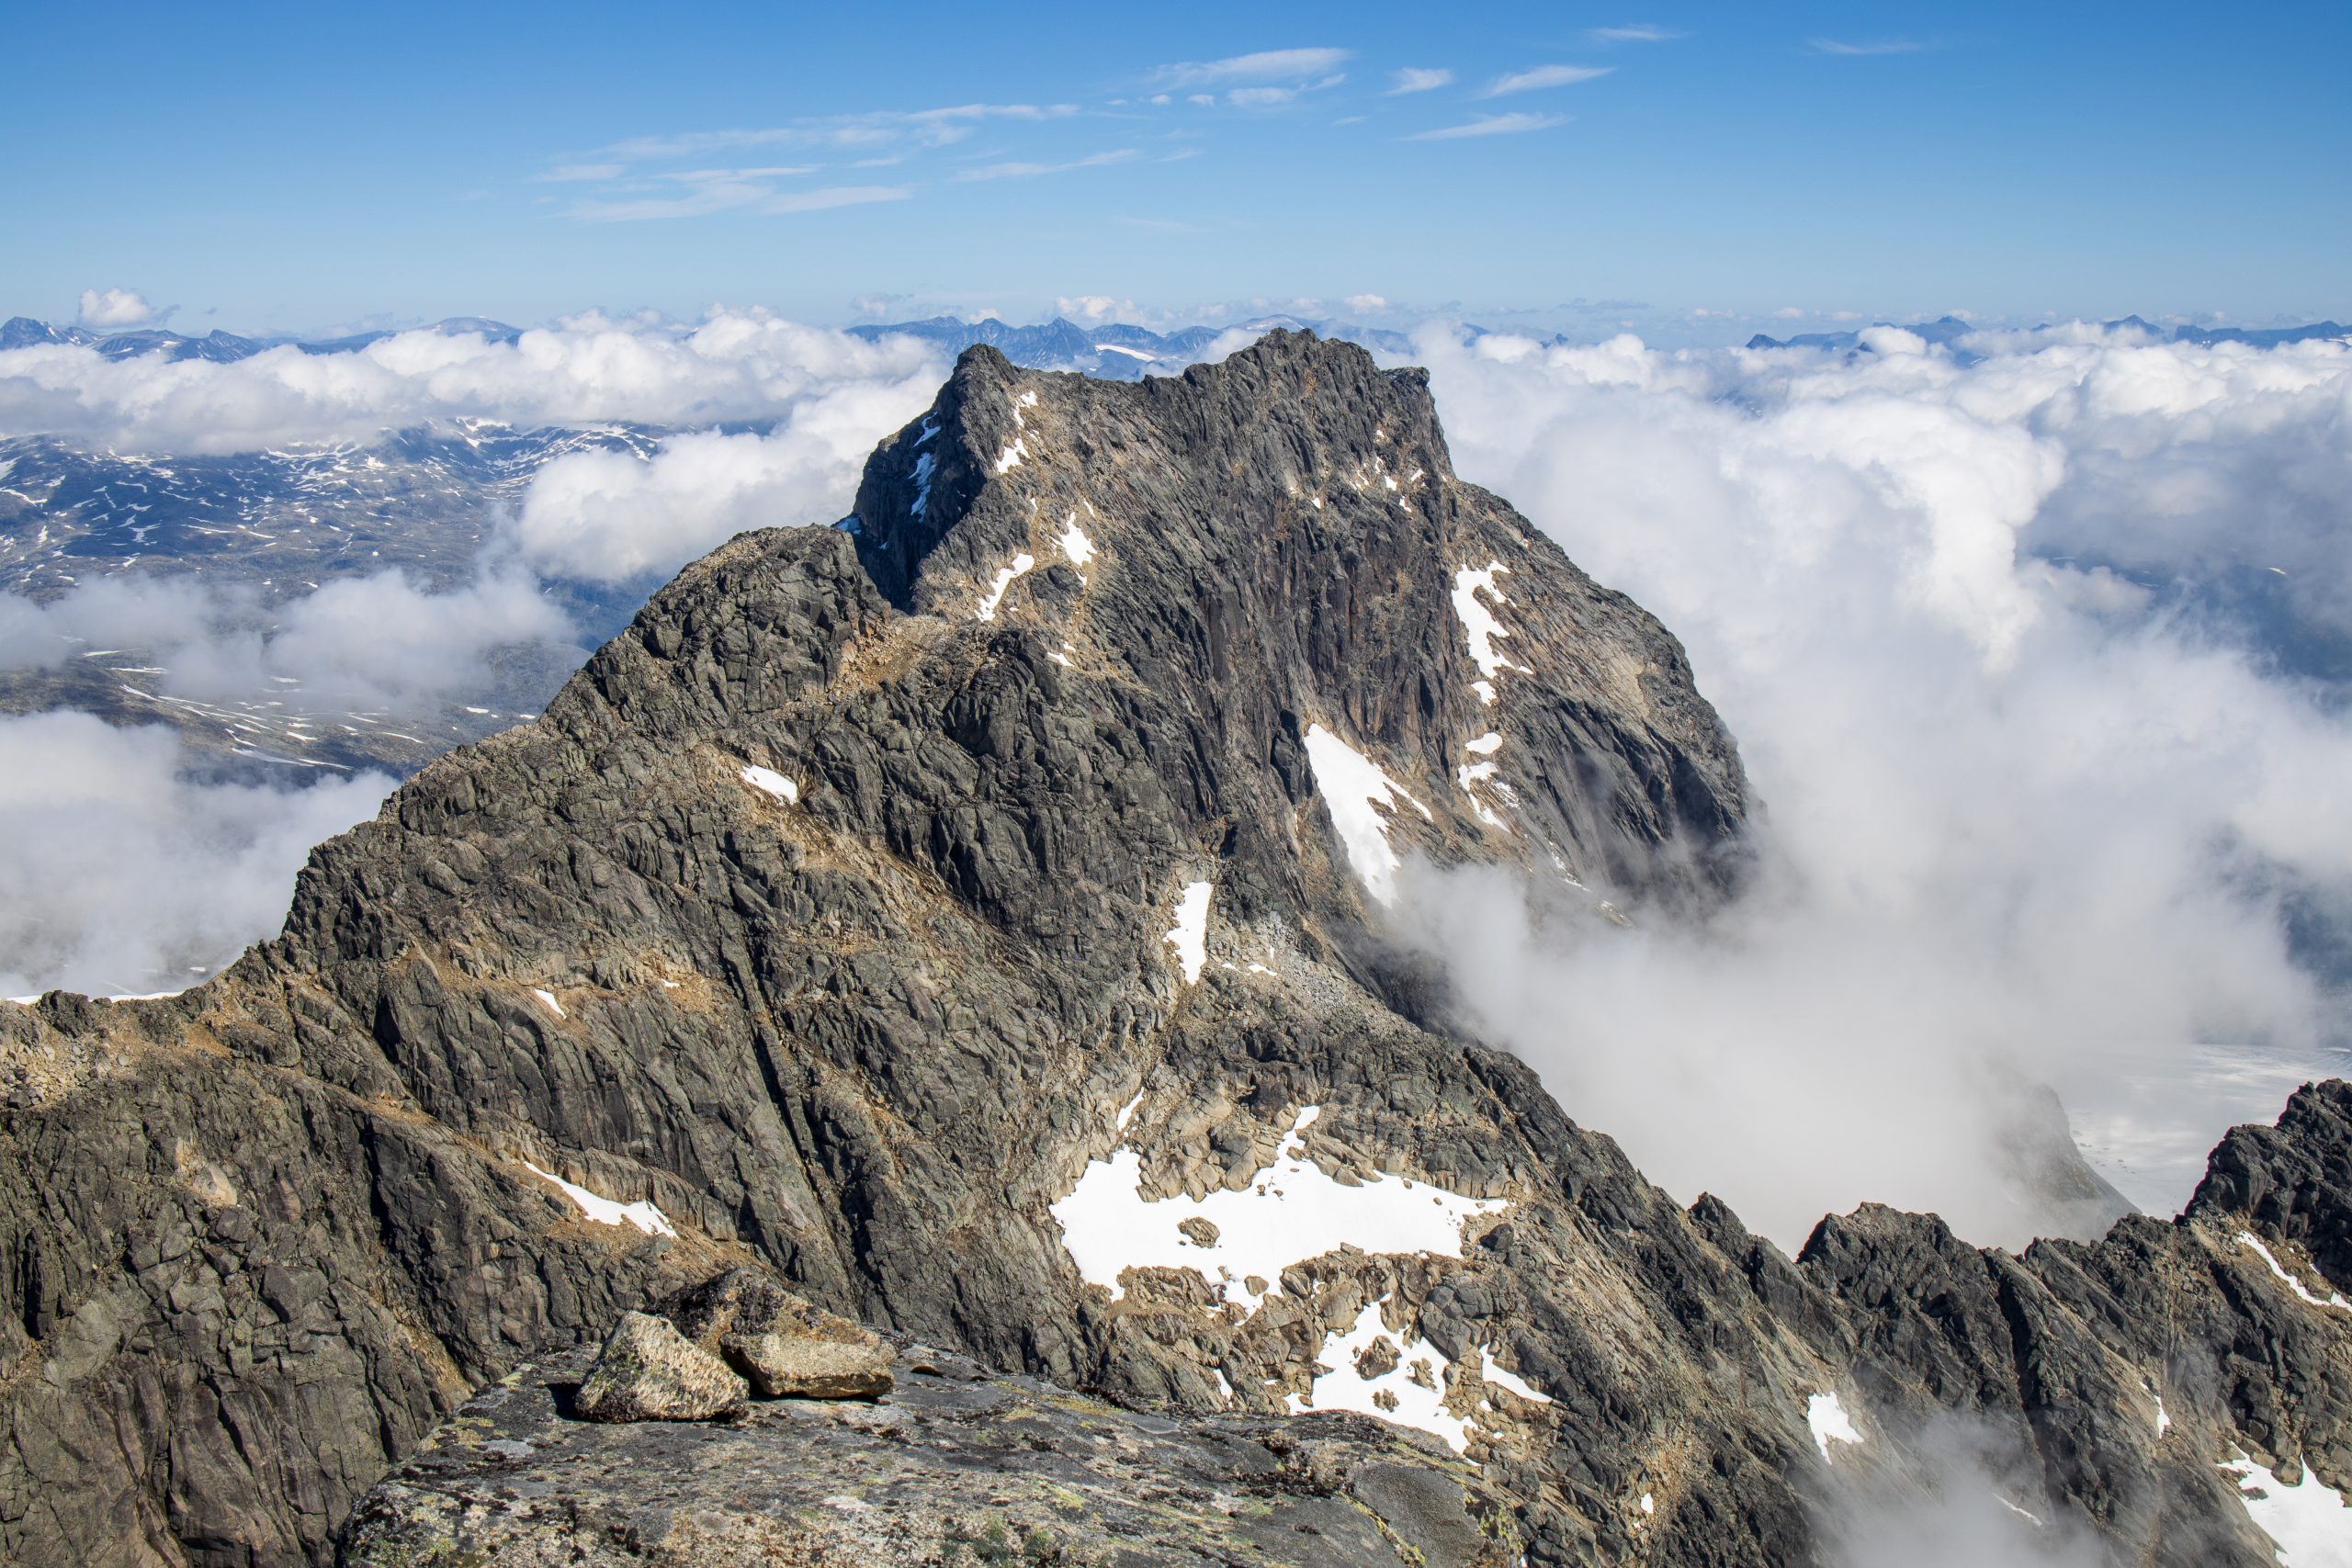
2330	1300
1004	576
554	1006
1074	542
1354	791
1012	456
1189	936
773	782
604	1211
1479	625
1827	1415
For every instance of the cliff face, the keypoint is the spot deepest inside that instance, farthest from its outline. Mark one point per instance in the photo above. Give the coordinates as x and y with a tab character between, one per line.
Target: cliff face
964	916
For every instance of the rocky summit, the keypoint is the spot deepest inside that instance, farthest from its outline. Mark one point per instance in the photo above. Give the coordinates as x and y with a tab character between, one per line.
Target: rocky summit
955	940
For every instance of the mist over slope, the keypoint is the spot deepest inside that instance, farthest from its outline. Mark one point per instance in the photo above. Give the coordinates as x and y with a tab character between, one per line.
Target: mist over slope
2031	660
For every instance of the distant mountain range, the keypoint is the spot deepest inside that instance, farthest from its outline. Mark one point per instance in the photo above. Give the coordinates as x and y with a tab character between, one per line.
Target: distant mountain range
23	332
1115	353
1949	330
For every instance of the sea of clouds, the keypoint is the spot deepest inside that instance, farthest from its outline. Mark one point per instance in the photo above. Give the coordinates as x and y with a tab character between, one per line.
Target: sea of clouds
2039	796
2029	657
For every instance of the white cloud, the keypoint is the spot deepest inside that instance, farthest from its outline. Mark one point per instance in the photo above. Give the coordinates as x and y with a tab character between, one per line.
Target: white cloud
1266	65
379	642
112	308
565	173
1636	33
145	877
922	128
1878	46
1096	308
721	190
1491	125
1015	171
609	517
1543	76
1365	303
1270	97
1420	79
2020	814
586	370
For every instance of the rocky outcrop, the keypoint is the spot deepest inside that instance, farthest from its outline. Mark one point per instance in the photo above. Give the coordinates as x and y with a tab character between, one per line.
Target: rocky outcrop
963	1467
973	919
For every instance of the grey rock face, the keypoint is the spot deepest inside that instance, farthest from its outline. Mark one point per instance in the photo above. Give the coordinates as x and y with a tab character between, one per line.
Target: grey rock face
649	1372
878	1032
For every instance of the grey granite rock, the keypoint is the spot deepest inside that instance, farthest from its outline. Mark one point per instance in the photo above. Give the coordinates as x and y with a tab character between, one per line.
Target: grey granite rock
783	1345
649	1371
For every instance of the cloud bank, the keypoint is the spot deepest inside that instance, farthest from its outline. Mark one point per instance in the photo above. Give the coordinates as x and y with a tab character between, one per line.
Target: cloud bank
2024	814
125	877
591	369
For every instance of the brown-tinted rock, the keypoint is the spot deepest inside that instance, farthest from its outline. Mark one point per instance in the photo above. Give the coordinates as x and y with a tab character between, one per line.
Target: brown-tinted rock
649	1372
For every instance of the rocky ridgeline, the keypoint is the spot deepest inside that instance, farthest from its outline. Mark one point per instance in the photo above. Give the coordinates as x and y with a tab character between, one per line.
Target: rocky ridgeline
971	921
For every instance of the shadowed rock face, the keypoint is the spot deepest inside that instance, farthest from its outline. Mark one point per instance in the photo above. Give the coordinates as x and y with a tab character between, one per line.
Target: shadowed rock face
824	920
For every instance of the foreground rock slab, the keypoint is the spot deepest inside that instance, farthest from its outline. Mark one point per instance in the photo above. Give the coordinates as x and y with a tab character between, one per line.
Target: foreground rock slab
958	1466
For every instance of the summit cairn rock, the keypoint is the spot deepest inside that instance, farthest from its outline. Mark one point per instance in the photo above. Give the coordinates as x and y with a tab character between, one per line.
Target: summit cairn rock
649	1372
786	1348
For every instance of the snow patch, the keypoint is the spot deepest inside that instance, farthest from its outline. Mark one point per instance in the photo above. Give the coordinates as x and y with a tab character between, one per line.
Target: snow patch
554	1006
1011	458
1415	1387
1074	542
1188	935
1514	1383
1487	745
1354	791
2330	1300
1826	1417
604	1211
1293	1209
2309	1523
1479	625
769	781
1004	576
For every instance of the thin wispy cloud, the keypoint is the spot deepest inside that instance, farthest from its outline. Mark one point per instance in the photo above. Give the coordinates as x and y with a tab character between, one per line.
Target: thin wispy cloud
1265	65
1021	171
1420	79
1491	125
1542	77
755	198
1874	46
934	127
1635	32
564	172
1272	97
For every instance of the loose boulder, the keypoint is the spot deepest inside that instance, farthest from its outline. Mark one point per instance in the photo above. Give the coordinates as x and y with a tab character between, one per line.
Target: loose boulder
649	1372
786	1346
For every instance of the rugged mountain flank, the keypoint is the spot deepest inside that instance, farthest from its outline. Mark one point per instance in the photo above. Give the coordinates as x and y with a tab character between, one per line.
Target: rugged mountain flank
971	914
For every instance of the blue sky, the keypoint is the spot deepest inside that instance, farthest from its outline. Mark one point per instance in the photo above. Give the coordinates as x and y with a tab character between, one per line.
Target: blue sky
1561	166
